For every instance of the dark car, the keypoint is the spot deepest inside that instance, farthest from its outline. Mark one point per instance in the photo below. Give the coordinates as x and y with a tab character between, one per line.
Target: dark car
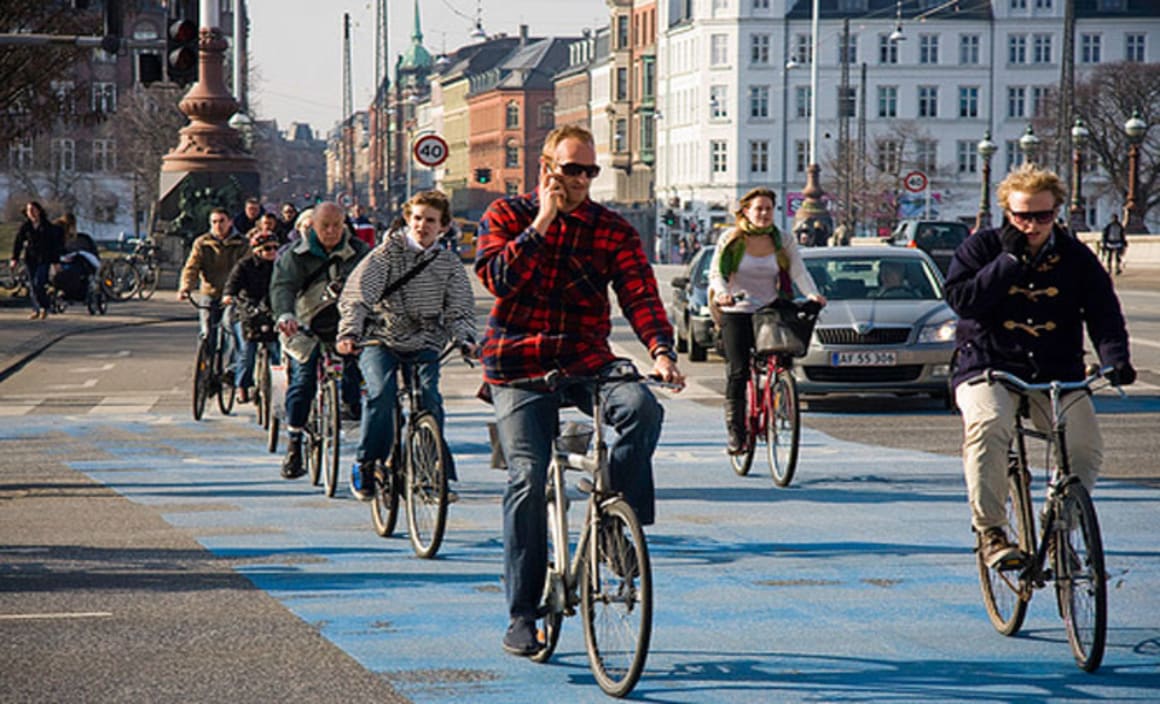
689	312
938	238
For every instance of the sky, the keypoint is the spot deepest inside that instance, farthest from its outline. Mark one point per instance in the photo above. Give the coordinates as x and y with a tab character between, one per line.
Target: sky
296	45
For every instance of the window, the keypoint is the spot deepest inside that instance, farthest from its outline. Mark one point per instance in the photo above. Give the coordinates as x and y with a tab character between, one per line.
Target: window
889	156
720	6
1089	48
926	155
853	5
759	102
104	97
648	138
1112	5
759	49
621	83
801	102
104	155
20	153
966	157
847	102
1017	49
887	50
1041	49
620	137
969	49
848	53
1039	100
719	50
1134	47
1042	4
719	102
968	101
511	188
760	4
1016	101
622	32
648	83
1018	4
512	116
801	48
1014	156
64	156
887	101
928	101
759	156
511	155
64	94
719	160
801	156
547	115
928	49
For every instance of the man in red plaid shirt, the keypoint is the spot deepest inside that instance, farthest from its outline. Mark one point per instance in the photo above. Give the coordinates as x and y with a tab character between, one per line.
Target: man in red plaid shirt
549	258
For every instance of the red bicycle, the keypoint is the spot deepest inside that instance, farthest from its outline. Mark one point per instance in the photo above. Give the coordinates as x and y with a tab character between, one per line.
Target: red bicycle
782	331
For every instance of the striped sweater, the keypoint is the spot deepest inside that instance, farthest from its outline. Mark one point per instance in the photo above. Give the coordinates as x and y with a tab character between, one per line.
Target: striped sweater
425	313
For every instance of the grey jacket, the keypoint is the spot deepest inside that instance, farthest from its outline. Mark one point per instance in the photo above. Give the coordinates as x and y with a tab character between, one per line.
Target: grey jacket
293	295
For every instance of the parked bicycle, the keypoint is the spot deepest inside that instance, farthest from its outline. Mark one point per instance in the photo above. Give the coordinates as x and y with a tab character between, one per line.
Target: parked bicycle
213	373
134	274
1069	550
608	574
414	472
773	415
14	279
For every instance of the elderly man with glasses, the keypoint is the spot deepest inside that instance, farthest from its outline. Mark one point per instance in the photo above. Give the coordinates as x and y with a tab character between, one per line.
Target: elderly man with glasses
1024	294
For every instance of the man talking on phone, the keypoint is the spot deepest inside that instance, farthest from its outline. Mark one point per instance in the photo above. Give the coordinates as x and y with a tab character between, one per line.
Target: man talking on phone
549	257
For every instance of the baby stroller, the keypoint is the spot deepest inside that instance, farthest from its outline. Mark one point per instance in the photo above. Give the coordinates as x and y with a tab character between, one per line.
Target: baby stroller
77	282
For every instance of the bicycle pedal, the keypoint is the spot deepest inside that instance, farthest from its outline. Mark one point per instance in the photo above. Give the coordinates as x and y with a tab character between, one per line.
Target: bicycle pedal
585	485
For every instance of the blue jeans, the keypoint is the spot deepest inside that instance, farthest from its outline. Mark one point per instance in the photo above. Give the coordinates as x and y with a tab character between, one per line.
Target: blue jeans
212	318
247	354
38	286
303	385
527	423
379	367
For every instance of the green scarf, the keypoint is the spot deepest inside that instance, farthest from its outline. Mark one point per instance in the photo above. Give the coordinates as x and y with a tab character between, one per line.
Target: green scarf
733	249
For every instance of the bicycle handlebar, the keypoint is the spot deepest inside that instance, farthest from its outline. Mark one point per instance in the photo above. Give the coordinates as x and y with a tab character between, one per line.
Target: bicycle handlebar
1015	383
625	371
446	352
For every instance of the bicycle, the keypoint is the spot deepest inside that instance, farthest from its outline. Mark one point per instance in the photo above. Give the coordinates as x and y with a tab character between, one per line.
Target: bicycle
322	435
772	411
1069	550
212	374
135	274
15	279
610	566
414	470
258	326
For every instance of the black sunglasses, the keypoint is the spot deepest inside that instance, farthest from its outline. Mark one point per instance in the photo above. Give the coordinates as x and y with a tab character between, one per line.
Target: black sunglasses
267	248
573	169
1040	216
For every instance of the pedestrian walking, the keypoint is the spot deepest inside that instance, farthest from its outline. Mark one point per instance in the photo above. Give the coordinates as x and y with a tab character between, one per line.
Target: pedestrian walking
39	245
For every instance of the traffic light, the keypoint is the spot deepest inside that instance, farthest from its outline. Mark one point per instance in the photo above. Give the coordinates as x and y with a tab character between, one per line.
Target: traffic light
181	46
483	175
670	217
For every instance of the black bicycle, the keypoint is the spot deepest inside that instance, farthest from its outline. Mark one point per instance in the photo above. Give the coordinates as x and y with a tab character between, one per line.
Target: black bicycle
213	374
414	472
134	274
1069	550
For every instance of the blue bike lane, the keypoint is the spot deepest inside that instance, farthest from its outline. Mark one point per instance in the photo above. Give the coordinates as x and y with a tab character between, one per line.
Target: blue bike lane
857	583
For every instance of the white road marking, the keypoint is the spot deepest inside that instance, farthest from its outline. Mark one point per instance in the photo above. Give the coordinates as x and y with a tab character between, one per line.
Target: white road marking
91	370
86	384
121	405
56	615
110	355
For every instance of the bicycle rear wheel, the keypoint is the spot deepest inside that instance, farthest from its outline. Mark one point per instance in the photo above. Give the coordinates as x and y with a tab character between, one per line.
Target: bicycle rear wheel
1080	580
147	277
616	599
262	385
329	429
201	374
426	486
555	592
385	507
272	432
782	427
1005	593
225	379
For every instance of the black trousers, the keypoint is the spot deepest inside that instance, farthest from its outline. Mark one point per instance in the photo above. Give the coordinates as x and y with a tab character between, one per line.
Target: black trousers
737	339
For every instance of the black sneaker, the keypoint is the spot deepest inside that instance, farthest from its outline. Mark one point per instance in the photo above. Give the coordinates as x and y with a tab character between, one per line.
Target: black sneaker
521	638
292	463
349	412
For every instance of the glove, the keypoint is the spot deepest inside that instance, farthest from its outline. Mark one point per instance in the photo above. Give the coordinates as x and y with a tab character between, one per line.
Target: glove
1122	375
1014	241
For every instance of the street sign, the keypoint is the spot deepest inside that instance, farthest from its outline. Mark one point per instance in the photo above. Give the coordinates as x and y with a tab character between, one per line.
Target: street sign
346	200
915	181
430	150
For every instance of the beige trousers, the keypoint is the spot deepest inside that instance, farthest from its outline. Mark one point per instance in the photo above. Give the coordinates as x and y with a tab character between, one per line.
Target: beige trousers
988	427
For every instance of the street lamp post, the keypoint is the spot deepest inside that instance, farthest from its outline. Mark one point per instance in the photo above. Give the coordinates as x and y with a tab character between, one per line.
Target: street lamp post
1077	219
1029	144
812	209
986	149
1135	128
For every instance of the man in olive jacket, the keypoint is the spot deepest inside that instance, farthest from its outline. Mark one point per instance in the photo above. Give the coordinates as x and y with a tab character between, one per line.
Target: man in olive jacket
304	292
211	258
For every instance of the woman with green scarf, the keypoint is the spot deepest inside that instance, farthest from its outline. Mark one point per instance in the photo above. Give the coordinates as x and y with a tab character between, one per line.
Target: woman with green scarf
752	265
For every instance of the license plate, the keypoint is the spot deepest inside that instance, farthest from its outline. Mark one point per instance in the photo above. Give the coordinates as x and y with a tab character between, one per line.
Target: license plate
863	359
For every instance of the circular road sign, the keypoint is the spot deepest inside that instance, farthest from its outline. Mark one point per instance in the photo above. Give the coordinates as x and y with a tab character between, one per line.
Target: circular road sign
346	200
430	150
915	181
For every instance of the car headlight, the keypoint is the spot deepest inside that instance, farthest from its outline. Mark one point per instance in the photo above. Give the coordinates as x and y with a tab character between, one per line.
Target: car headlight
937	332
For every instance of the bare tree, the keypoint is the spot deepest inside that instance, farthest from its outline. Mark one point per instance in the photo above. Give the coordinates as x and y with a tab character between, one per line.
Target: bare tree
147	125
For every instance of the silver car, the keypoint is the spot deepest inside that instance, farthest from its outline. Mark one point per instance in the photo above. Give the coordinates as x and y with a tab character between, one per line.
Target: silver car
886	329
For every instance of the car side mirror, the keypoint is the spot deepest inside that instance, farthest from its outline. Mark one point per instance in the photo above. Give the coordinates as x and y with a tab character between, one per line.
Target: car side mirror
680	281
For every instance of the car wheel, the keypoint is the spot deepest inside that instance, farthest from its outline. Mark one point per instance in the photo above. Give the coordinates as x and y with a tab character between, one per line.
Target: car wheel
682	345
697	353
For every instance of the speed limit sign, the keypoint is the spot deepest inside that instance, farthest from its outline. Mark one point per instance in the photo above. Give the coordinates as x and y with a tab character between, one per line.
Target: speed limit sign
430	150
915	181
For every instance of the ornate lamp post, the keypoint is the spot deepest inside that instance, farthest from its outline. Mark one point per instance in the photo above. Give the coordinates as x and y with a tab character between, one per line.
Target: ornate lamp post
1077	219
812	209
986	149
1029	144
1135	128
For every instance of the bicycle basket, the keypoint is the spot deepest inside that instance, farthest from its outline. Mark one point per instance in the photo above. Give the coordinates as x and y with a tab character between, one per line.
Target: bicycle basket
258	326
783	329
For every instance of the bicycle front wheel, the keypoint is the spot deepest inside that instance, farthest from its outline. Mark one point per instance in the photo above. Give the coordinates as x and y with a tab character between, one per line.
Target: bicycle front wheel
616	599
555	598
782	427
120	279
201	375
329	429
385	507
224	385
426	486
1080	581
742	462
262	385
147	277
1005	593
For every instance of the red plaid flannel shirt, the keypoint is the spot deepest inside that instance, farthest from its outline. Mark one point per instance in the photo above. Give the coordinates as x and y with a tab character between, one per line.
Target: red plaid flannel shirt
552	309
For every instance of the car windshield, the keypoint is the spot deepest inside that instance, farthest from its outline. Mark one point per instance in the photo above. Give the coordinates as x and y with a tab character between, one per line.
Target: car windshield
875	277
940	235
701	273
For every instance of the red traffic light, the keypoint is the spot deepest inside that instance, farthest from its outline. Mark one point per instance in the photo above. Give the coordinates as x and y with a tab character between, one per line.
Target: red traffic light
182	56
183	31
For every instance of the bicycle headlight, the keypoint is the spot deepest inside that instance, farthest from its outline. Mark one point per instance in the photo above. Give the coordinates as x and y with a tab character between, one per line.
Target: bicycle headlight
937	332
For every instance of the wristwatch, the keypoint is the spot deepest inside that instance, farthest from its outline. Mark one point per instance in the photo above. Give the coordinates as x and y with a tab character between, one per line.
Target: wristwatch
664	351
